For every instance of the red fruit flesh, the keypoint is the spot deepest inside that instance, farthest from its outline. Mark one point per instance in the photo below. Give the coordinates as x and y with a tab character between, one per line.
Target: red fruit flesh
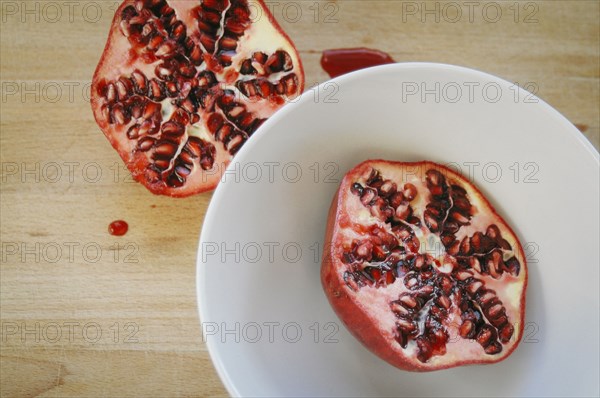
183	84
345	60
421	268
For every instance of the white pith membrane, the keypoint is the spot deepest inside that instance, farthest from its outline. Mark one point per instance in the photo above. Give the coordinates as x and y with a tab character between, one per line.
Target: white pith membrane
123	56
374	300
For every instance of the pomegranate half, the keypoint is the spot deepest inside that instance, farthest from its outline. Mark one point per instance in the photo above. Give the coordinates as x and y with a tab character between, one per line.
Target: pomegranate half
421	268
182	84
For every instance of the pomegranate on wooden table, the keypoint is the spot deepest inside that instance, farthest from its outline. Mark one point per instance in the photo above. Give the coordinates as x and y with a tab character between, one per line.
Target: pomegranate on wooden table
421	268
182	84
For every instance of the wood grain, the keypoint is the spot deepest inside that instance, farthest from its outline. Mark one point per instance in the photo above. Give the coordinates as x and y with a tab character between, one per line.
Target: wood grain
140	291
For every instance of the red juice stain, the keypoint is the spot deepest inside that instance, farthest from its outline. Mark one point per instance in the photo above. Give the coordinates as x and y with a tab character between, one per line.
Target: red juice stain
118	228
345	60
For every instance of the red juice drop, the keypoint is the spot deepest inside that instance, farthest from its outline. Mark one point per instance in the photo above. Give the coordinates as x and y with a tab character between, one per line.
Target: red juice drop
345	60
118	228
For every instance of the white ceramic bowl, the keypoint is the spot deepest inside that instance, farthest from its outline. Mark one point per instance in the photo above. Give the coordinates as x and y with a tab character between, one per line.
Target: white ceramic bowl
266	321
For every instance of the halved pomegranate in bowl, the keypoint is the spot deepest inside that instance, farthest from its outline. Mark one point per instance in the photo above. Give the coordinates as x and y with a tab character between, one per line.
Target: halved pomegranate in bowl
422	269
183	84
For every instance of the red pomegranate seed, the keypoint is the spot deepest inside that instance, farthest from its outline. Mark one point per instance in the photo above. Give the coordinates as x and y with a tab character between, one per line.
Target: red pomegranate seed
118	228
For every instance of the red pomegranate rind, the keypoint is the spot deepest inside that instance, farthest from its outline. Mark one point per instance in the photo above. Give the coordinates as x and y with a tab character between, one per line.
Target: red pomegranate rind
183	84
421	268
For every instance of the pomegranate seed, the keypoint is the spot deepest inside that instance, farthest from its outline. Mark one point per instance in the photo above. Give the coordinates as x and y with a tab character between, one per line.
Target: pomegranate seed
111	93
133	132
434	177
162	164
403	211
286	61
157	90
145	144
399	309
165	50
186	157
436	190
463	275
165	150
493	348
246	68
410	191
368	196
364	251
207	162
467	330
136	110
235	112
506	332
430	221
175	180
408	301
451	227
196	56
446	284
485	335
462	204
155	43
120	115
493	232
208	42
224	133
419	262
182	170
501	320
228	43
178	32
503	243
124	88
375	274
173	129
163	71
147	30
454	248
291	84
263	87
459	218
389	278
495	311
149	128
444	302
474	286
118	228
406	326
465	246
274	63
513	266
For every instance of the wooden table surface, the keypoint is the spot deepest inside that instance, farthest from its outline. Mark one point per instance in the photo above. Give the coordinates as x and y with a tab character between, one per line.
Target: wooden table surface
84	313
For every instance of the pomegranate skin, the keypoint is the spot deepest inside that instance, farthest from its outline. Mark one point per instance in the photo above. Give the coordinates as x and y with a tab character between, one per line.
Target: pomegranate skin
363	325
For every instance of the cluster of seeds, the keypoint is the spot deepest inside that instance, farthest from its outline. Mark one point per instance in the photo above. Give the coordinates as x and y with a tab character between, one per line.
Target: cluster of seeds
391	254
